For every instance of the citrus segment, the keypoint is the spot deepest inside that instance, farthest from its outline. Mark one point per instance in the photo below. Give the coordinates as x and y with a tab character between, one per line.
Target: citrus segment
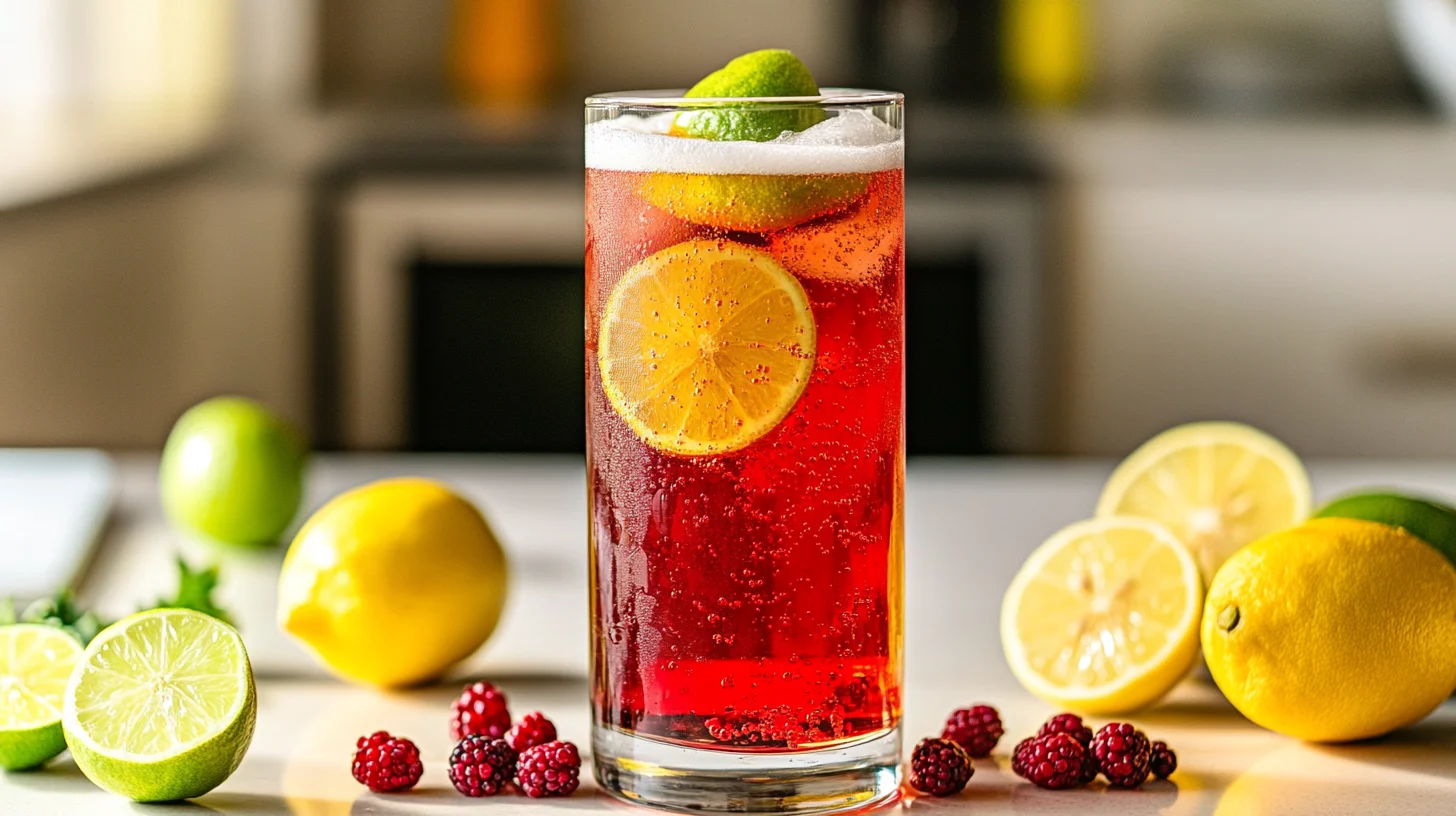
1103	618
162	706
855	248
755	203
705	347
35	663
1215	485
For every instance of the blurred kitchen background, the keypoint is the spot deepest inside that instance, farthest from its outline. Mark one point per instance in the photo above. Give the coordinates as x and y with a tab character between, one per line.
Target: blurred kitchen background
1122	214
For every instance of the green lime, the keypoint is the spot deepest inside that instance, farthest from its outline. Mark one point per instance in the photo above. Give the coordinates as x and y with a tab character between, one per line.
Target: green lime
233	471
771	72
35	663
1432	523
748	202
162	706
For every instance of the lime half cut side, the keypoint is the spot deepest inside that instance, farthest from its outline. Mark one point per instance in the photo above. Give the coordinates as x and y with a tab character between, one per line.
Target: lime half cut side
162	706
35	663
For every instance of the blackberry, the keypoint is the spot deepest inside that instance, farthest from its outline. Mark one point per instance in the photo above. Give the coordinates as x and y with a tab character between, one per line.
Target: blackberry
549	769
384	763
939	767
480	709
480	766
1123	754
976	729
1055	762
1164	762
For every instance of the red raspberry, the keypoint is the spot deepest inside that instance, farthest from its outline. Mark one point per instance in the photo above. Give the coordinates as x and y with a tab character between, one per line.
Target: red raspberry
480	766
1055	762
548	770
1164	762
531	730
939	767
1021	756
976	729
1123	754
384	763
481	709
1068	724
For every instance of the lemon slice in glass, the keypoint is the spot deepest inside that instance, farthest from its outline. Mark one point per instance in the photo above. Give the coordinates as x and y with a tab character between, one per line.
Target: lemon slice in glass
1216	485
705	347
35	663
1103	618
162	706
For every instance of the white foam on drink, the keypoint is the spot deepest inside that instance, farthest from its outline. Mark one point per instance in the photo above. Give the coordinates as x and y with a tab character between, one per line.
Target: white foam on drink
853	141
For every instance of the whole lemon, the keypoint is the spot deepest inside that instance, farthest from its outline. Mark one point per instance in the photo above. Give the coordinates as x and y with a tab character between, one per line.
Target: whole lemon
1336	630
392	583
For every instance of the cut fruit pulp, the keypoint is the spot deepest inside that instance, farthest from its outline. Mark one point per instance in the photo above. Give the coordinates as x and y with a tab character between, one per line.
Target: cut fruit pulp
1103	618
162	706
1215	485
706	346
35	663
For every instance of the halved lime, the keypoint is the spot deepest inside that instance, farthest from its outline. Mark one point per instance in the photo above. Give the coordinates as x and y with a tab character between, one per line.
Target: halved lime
1429	521
162	706
35	663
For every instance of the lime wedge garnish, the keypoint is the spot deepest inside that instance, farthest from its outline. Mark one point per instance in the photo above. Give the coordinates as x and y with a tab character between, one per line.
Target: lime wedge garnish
35	663
766	73
162	706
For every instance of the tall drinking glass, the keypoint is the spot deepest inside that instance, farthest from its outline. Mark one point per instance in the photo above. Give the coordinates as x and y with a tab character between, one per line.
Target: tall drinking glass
745	348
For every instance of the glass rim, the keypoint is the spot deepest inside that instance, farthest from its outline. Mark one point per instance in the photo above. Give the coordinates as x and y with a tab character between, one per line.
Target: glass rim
674	98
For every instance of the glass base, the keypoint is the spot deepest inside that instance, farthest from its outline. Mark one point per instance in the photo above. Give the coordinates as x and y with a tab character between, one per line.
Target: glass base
675	777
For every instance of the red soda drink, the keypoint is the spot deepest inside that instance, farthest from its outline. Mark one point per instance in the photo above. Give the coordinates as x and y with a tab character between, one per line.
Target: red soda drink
745	439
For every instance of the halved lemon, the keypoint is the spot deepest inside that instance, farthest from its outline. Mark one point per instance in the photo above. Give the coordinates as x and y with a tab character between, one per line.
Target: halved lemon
1216	485
1103	618
706	346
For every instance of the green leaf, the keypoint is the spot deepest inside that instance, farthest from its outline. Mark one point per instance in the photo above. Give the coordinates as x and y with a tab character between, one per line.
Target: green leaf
194	591
60	611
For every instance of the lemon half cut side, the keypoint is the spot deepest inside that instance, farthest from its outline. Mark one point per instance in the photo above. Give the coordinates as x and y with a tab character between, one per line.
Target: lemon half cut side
1215	485
1103	618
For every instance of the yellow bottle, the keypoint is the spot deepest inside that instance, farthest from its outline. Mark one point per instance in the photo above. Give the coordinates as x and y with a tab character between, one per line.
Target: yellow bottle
1046	51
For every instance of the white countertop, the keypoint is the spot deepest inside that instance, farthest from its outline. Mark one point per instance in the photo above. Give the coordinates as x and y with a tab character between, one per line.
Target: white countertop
970	524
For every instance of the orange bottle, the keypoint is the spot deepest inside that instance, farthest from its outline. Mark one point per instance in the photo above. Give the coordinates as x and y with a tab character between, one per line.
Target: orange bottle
504	53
